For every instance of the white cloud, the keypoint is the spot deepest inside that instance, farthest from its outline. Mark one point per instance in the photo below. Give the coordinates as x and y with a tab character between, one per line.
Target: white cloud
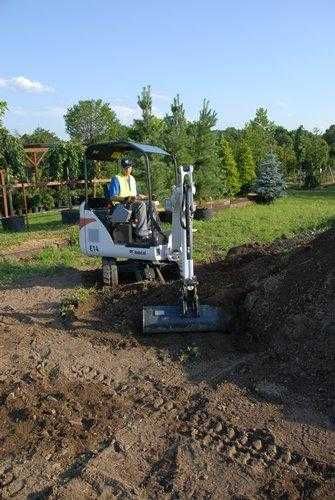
126	113
25	84
160	96
45	111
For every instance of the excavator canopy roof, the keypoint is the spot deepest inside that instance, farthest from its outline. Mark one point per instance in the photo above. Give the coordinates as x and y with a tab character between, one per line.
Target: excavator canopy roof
110	150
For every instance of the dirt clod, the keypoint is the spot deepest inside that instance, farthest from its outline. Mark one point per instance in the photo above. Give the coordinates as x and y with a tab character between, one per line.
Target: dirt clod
257	444
231	451
230	433
218	427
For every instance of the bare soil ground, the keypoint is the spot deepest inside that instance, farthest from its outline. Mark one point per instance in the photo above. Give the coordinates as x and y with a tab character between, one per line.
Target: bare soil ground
90	408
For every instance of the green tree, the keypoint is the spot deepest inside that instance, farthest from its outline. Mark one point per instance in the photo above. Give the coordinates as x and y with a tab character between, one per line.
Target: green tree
282	136
315	155
230	174
298	143
12	159
204	153
329	137
40	136
258	134
246	166
284	149
64	160
150	129
286	156
92	121
176	138
3	109
269	184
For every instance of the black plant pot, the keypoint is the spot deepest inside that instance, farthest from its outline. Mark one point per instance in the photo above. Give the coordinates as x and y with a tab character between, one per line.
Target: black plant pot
165	216
203	213
70	216
15	223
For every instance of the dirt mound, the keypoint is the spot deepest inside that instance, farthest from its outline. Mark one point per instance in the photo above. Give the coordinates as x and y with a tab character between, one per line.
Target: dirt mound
282	301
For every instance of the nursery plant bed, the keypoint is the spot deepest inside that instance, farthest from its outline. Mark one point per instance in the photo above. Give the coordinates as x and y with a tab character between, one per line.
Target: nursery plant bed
203	213
15	223
70	216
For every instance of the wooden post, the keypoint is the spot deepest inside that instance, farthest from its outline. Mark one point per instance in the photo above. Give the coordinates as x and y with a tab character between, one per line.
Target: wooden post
24	198
4	192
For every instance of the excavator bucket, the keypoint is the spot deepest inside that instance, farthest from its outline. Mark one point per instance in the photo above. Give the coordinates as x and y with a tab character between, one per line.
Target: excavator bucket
170	319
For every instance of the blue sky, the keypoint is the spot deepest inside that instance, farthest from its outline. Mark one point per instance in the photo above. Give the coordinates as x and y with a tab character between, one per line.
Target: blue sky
240	55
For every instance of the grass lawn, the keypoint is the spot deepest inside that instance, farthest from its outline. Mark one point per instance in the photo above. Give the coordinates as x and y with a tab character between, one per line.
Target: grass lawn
299	212
41	226
49	261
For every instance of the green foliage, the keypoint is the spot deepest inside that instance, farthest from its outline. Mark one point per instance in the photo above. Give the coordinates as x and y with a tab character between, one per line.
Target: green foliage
176	139
329	137
92	121
269	184
36	199
301	153
312	154
246	166
286	156
3	109
204	153
150	129
203	140
230	174
12	155
47	200
258	134
40	136
63	196
65	160
70	303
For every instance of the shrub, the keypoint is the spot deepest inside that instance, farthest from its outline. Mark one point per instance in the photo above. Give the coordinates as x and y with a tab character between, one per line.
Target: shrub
36	200
269	184
246	166
47	200
229	168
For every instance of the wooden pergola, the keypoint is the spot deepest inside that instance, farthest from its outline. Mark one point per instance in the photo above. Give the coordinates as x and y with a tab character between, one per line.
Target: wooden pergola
35	154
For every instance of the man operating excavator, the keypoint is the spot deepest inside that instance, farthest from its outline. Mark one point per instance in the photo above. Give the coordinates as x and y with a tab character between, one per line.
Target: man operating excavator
123	189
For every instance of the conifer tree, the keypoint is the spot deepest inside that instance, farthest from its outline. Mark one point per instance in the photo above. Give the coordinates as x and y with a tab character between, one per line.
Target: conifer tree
269	184
150	129
230	175
204	154
176	134
246	166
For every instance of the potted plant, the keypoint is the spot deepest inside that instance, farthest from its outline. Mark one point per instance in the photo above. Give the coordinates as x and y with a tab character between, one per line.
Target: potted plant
12	159
203	211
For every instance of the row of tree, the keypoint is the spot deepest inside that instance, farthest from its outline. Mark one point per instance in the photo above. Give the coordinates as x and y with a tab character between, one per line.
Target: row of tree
226	161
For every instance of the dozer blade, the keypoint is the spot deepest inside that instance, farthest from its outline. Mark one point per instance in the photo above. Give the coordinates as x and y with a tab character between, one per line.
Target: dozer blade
170	319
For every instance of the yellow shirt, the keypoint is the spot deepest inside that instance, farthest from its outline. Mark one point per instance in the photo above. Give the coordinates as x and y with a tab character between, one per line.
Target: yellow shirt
127	186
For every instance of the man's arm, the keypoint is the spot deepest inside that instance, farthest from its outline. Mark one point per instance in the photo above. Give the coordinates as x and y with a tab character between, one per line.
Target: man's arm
113	188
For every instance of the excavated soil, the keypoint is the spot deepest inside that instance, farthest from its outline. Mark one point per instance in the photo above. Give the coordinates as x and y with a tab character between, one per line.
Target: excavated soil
91	408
